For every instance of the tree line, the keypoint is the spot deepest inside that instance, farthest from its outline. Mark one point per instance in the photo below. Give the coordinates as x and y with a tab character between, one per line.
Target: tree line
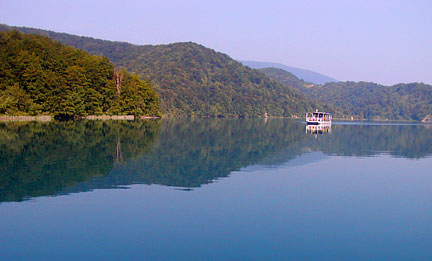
42	76
364	100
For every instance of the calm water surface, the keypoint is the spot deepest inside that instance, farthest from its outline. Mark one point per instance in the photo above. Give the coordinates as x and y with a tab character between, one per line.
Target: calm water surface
215	189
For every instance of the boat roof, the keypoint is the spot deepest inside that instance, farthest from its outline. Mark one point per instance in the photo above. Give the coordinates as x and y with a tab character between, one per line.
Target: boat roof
320	112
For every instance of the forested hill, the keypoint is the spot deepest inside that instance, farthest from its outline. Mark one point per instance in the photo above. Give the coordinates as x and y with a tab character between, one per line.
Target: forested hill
42	76
365	100
193	80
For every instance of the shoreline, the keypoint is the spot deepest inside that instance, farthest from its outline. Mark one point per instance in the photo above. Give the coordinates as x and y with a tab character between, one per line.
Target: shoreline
44	118
47	118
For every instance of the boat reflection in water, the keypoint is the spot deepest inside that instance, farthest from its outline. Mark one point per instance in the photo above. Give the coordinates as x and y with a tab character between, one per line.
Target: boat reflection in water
318	129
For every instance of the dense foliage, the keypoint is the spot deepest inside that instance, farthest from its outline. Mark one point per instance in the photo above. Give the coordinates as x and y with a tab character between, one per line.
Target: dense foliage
42	76
195	81
365	100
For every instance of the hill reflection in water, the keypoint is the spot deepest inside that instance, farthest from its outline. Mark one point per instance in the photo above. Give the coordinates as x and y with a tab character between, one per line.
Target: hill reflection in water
39	159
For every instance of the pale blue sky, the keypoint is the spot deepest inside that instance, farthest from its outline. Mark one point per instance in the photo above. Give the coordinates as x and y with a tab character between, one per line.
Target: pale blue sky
381	41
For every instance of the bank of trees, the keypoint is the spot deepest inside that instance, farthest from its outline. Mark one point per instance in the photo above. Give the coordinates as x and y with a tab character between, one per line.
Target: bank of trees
364	100
42	76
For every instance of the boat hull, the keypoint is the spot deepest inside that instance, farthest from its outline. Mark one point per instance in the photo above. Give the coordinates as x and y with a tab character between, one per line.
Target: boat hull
318	122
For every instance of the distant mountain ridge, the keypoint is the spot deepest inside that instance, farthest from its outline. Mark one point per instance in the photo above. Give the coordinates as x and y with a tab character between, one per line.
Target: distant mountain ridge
286	78
193	80
307	75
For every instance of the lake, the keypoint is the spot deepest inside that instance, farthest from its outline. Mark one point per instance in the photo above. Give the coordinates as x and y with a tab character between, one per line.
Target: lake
215	189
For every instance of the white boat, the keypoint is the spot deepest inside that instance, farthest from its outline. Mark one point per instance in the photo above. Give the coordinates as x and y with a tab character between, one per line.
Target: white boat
317	117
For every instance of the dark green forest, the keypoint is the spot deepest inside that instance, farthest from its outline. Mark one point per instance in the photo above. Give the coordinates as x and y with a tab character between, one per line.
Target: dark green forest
193	80
42	76
365	100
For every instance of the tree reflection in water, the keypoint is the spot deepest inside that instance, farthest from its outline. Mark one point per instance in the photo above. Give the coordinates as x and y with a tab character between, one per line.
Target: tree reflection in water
38	159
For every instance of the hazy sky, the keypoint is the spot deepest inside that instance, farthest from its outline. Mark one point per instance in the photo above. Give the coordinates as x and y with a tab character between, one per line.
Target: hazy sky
381	41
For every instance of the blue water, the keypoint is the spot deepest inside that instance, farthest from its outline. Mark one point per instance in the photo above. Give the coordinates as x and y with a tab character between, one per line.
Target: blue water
215	189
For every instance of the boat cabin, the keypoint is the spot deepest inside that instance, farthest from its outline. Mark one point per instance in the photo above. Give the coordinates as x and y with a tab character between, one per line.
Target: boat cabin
318	118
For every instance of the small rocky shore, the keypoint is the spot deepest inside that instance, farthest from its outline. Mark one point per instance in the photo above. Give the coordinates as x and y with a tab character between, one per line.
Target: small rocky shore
90	117
26	118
